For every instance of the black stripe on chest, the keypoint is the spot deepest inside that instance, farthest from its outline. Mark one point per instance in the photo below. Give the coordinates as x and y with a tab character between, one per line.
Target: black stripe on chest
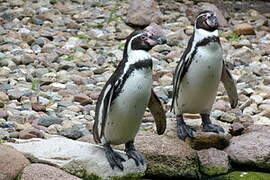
143	64
187	60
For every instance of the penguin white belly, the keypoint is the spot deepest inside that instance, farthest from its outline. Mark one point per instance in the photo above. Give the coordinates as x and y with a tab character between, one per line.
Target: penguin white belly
128	108
199	86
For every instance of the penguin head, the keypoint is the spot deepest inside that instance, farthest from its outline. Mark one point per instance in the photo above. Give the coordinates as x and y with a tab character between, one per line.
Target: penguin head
144	39
206	20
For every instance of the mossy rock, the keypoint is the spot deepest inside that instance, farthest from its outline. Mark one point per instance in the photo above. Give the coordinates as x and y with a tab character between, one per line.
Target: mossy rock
240	175
127	177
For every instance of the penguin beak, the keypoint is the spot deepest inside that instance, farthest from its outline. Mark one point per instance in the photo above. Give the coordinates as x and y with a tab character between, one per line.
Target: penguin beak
161	40
155	40
212	21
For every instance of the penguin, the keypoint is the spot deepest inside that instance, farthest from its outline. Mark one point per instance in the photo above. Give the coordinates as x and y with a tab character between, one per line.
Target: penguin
197	76
125	96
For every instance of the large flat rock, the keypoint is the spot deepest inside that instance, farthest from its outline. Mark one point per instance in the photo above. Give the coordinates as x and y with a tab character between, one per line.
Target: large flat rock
167	157
252	148
78	158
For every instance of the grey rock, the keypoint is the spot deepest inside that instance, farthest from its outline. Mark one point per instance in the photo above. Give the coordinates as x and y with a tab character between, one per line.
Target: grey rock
78	158
37	21
74	132
213	161
49	120
27	59
15	93
252	148
143	12
36	48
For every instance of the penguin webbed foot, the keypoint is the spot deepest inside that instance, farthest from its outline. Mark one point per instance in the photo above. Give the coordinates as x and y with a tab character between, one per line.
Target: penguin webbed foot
113	157
207	125
182	129
132	153
212	128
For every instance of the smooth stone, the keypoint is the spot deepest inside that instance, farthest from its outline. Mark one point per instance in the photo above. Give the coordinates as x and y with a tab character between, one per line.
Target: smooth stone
49	120
12	162
78	158
44	171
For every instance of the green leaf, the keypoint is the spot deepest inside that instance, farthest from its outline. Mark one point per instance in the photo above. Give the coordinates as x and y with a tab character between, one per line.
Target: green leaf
35	84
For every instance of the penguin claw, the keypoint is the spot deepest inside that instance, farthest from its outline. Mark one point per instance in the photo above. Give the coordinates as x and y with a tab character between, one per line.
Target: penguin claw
184	131
137	156
212	128
114	158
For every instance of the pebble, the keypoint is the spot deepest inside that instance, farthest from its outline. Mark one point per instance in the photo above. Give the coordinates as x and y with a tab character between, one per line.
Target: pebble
49	120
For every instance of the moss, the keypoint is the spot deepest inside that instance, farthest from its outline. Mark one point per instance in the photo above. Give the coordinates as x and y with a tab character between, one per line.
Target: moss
170	166
127	177
239	175
19	177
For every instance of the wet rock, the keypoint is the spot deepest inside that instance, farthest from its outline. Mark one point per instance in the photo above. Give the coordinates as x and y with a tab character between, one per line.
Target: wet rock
11	163
213	161
30	133
143	13
252	148
49	120
78	158
244	29
44	171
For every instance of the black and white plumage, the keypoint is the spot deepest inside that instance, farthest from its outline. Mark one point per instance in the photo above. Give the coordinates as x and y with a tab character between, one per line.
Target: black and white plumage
124	98
198	74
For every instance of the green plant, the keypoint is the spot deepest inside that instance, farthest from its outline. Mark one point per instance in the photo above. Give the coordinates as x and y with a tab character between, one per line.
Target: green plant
121	46
231	37
82	36
35	84
113	16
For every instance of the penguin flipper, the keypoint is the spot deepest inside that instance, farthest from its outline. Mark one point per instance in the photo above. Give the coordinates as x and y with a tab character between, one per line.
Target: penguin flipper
158	113
102	109
229	84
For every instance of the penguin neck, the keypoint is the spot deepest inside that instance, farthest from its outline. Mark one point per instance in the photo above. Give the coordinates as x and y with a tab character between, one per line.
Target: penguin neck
135	56
201	34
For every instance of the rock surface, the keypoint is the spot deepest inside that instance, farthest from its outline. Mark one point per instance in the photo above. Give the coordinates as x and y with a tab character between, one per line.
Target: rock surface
251	149
213	161
12	163
44	172
167	156
143	12
201	140
78	158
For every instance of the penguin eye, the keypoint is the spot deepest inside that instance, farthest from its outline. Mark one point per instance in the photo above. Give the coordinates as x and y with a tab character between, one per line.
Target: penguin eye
143	37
